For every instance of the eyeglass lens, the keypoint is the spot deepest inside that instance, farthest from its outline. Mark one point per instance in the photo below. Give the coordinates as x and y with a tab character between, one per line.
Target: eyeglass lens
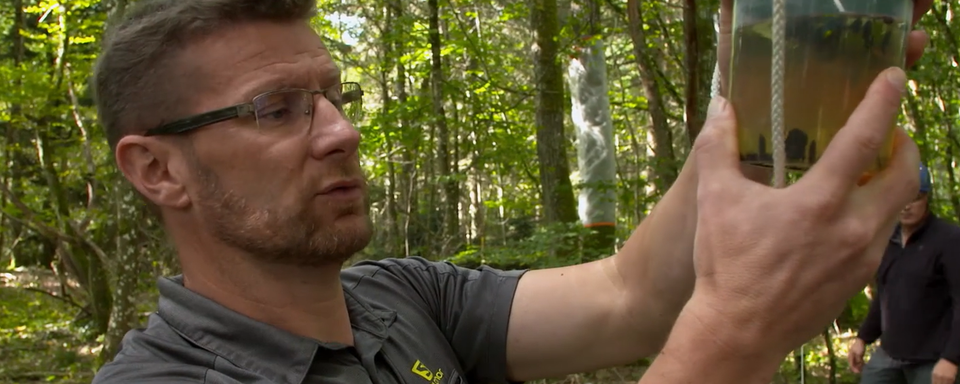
293	109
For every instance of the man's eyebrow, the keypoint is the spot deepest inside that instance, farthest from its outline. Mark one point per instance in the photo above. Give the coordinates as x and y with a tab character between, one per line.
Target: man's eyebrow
330	79
278	82
265	84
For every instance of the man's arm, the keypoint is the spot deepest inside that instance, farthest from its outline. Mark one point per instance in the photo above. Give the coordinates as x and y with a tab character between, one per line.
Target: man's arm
611	311
870	329
950	259
615	310
697	354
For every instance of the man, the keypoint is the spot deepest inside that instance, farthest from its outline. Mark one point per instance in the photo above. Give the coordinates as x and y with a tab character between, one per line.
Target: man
231	119
915	310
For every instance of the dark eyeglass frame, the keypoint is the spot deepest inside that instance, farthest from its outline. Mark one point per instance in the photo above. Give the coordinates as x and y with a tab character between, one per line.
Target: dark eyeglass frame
249	109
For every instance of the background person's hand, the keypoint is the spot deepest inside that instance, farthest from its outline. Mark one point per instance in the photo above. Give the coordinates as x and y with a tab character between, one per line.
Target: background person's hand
944	372
857	349
774	266
916	41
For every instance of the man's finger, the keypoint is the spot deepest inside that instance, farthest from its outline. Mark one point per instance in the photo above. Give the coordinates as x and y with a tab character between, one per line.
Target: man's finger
920	8
916	43
858	143
889	191
726	5
717	154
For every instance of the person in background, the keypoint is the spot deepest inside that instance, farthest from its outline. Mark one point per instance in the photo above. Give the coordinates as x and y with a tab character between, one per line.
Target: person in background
915	311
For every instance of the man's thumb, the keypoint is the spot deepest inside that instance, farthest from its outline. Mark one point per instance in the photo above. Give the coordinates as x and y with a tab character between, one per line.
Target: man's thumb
716	147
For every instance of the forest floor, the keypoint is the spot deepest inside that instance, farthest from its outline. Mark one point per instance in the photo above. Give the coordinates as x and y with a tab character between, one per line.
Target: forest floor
41	343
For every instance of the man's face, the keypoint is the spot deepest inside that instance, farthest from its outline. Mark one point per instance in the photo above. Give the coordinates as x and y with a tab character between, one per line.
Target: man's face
295	196
915	211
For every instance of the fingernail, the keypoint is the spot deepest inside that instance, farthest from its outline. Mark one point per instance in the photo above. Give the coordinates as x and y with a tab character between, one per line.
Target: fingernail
897	78
717	105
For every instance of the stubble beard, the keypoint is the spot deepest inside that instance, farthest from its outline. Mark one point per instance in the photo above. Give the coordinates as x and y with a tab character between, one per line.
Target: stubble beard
298	238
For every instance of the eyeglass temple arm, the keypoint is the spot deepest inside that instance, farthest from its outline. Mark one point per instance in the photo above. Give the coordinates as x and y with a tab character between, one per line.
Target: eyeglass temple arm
194	122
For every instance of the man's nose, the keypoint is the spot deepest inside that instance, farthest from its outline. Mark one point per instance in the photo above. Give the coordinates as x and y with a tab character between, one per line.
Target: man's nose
332	134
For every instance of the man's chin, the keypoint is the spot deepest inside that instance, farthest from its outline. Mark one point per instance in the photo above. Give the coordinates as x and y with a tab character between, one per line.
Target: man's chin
352	234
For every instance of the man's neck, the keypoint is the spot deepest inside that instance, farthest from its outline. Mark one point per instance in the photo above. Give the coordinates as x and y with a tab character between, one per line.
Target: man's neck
306	301
906	231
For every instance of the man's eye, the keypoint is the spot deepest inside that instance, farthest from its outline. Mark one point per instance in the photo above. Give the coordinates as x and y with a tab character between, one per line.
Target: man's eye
276	114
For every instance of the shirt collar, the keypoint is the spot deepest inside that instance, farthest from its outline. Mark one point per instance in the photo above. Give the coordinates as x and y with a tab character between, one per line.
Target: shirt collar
278	355
927	222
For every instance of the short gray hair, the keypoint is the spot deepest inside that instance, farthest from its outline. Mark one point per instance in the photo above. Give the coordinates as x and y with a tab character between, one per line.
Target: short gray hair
134	79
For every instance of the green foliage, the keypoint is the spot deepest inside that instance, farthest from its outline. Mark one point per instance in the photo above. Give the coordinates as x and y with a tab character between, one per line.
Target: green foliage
529	252
38	340
65	208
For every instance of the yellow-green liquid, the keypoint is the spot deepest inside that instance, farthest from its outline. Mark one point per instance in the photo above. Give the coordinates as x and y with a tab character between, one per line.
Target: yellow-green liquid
831	60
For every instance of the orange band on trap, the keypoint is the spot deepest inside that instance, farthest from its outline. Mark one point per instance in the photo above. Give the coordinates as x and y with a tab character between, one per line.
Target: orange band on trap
600	224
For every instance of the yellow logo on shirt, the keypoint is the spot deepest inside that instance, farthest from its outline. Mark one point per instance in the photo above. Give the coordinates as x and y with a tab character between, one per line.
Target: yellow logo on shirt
421	370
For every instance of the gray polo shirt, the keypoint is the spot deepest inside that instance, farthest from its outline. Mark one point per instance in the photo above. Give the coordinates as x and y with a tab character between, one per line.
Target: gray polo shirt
414	321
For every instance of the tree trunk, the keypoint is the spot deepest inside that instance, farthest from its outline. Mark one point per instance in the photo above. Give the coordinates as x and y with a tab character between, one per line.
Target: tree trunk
559	206
665	166
700	55
448	180
129	252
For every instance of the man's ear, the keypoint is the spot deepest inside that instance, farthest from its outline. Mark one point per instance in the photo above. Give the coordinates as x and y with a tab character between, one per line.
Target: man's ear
156	168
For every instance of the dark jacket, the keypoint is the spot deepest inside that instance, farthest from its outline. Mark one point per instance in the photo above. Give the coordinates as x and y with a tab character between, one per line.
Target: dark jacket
916	310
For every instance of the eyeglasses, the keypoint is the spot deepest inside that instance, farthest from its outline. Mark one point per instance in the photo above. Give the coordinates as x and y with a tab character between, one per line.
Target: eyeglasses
277	111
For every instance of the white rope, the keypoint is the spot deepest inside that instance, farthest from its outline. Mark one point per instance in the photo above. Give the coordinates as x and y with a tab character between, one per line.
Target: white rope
776	88
839	6
715	86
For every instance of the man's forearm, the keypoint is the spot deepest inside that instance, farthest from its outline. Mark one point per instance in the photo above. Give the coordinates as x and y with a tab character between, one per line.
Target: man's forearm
656	262
694	354
951	351
870	329
951	265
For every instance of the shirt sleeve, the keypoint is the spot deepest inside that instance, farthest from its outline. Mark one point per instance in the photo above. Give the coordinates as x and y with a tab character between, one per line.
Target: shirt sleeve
870	330
472	307
950	259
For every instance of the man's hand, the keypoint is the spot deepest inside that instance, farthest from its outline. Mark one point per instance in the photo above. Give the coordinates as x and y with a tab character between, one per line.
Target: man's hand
761	253
855	357
944	372
774	266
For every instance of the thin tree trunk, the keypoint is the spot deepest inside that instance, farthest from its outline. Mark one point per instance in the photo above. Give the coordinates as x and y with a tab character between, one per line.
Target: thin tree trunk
665	161
410	138
451	198
831	355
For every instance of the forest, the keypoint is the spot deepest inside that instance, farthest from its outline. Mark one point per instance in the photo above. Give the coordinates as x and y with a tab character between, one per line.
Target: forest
525	134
